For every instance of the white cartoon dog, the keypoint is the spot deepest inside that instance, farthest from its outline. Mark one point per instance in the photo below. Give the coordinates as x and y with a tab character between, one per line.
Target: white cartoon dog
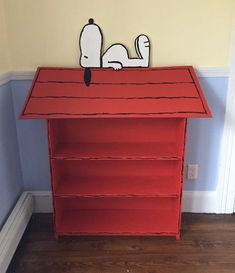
116	56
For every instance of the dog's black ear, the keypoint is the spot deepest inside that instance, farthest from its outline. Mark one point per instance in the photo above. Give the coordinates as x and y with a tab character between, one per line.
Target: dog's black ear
87	76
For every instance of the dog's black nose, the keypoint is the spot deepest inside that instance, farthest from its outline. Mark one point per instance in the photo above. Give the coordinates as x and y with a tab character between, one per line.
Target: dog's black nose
91	21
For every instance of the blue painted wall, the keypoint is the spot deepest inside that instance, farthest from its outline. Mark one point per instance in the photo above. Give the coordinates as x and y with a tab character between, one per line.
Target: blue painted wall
32	138
11	183
204	136
203	139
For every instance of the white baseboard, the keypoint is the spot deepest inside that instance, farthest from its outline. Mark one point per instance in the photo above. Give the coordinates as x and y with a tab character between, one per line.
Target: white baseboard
42	201
193	201
200	201
13	229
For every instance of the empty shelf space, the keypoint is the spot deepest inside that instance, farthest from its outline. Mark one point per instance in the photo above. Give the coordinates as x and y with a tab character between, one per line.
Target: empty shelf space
67	169
107	216
117	150
118	222
116	186
116	138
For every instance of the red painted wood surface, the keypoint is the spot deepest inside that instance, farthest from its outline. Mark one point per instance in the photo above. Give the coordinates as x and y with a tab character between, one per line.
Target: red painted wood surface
102	130
117	216
159	178
118	186
117	176
117	138
156	92
120	175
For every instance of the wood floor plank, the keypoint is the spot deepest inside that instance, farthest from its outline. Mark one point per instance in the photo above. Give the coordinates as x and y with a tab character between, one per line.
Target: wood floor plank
207	245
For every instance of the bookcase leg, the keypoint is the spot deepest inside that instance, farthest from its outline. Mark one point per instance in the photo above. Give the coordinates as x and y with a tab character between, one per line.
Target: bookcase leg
177	236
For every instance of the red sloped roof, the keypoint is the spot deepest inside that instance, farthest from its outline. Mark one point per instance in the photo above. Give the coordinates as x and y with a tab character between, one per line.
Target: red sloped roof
138	92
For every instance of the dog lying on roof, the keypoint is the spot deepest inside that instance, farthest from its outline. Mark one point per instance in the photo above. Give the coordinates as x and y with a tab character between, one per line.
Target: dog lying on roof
116	56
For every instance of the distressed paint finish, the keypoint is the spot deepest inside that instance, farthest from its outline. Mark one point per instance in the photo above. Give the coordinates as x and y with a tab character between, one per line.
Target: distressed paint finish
120	175
203	135
56	102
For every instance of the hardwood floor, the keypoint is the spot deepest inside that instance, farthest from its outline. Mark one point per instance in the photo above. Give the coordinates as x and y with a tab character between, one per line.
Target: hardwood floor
207	245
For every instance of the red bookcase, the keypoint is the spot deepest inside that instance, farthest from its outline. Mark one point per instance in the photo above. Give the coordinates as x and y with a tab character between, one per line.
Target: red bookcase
116	147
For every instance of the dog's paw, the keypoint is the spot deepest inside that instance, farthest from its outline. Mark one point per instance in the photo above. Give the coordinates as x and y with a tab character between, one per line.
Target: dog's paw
142	45
116	66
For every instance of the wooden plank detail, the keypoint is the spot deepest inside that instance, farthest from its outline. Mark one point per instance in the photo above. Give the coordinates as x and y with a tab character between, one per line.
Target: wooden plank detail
68	106
156	92
141	75
118	151
77	90
129	186
200	92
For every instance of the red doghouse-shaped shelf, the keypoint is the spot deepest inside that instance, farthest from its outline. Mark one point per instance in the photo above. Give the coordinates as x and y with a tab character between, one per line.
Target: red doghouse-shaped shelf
116	147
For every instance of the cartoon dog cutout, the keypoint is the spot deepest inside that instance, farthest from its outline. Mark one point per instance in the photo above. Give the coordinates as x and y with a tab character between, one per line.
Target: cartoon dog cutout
116	56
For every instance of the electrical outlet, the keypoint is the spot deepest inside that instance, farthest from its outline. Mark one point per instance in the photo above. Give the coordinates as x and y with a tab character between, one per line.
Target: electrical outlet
192	171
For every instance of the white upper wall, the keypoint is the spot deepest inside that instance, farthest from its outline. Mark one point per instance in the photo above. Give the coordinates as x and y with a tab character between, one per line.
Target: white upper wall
46	32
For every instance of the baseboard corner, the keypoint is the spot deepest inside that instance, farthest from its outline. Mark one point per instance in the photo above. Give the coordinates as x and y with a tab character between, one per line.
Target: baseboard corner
13	229
200	201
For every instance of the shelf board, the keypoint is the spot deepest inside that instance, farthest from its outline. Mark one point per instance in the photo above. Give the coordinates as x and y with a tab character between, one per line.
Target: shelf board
117	151
118	186
118	222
